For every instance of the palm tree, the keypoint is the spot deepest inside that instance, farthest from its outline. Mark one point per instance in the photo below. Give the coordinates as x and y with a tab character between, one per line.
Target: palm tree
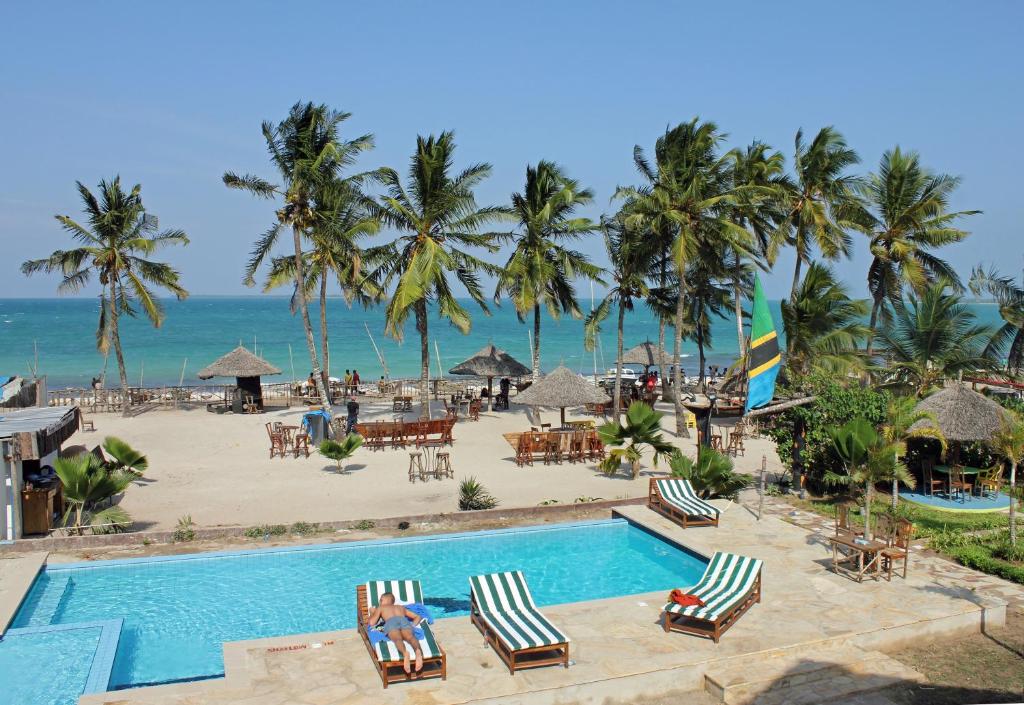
642	427
115	246
907	218
308	153
87	484
821	207
760	175
932	338
711	474
540	269
1009	443
340	222
706	298
629	254
1009	337
688	195
823	325
440	217
900	415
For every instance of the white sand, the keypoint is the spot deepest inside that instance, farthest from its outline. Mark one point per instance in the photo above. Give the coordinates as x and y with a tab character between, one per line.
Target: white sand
216	468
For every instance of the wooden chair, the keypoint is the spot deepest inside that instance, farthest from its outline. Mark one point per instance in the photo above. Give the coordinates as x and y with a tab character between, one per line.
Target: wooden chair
899	548
277	440
398	434
445	428
735	446
474	410
301	443
930	481
991	481
524	450
958	482
843	525
87	424
595	447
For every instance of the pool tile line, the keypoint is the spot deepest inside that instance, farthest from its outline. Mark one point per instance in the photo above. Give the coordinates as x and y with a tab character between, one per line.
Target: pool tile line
103	657
342	545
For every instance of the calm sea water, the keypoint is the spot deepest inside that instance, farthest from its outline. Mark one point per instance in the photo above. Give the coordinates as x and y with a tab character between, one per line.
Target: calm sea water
202	328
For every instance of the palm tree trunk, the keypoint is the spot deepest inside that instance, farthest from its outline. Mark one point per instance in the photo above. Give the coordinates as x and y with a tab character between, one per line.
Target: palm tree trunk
703	382
662	277
1013	502
617	393
737	290
536	342
300	283
324	345
677	378
421	328
115	339
867	509
796	277
895	493
876	307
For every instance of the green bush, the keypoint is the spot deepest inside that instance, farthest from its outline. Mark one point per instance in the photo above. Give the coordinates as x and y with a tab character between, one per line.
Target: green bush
185	531
711	474
473	496
835	405
363	525
266	530
301	528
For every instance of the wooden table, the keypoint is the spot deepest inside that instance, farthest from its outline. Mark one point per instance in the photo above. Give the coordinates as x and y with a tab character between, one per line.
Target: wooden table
856	557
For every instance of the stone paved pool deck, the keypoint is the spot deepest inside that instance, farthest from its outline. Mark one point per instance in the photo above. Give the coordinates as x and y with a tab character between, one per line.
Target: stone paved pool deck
620	652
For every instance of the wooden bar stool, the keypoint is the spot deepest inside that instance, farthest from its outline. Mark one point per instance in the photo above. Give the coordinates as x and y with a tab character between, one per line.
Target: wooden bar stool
416	466
443	466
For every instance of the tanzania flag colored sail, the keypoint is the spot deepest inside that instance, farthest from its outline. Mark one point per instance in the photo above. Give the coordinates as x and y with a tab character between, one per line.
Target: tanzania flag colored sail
763	358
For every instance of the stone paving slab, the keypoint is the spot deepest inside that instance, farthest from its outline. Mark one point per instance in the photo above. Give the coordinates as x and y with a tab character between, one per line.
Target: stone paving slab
16	576
618	648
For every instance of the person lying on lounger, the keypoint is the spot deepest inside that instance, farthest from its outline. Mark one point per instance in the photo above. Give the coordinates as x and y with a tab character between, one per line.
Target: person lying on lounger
398	624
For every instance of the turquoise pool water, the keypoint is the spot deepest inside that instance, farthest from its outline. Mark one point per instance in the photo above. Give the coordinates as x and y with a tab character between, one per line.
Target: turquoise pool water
178	611
54	665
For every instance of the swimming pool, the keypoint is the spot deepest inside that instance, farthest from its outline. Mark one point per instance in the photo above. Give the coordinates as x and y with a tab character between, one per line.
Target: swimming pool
177	611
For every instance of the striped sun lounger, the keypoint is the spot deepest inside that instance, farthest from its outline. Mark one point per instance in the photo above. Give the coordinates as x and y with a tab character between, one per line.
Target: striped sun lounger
388	656
504	612
731	584
676	499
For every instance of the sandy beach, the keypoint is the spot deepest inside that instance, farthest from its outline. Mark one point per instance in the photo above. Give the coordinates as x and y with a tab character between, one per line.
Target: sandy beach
216	468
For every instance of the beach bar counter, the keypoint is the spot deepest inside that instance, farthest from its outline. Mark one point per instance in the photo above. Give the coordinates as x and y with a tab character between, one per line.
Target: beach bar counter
29	498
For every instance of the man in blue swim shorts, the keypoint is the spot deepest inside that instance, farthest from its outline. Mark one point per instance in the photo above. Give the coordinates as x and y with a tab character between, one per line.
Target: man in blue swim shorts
398	624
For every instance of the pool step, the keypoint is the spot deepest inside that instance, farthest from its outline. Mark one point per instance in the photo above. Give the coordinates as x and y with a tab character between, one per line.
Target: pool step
49	604
819	677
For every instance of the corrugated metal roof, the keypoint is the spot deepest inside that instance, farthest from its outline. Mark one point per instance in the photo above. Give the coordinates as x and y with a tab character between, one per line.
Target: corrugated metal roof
33	420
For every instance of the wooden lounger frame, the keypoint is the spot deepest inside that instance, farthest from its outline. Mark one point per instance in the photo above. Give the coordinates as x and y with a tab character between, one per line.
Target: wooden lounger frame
712	629
519	659
670	511
433	667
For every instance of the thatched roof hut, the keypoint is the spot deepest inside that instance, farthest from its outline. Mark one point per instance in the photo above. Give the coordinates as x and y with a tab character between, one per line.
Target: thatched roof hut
647	354
246	368
962	414
560	389
490	362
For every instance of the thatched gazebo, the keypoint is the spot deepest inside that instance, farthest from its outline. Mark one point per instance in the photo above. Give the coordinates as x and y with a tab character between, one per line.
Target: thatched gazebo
647	354
490	362
246	368
962	414
560	389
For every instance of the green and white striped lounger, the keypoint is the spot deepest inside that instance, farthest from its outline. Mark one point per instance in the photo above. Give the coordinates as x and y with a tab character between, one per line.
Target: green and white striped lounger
677	500
504	611
731	584
388	655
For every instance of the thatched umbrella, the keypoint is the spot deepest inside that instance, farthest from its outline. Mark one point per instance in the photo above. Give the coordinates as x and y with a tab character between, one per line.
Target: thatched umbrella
962	414
246	367
560	389
647	354
490	362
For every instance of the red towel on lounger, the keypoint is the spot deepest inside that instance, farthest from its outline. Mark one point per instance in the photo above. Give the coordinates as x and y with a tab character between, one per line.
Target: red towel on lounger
681	598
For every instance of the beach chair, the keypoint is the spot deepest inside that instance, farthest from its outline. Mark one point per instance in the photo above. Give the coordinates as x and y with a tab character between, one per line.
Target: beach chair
387	656
676	500
731	585
899	548
503	610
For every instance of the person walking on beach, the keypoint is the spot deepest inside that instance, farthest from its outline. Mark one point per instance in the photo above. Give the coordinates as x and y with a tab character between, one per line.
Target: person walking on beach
355	381
353	414
347	382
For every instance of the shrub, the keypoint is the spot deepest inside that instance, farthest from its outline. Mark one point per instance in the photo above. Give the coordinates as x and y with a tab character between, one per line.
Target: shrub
363	525
266	531
711	474
185	531
587	500
301	528
340	452
835	405
474	496
642	427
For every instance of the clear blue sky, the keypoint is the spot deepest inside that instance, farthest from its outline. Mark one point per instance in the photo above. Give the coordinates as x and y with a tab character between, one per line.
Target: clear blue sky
172	94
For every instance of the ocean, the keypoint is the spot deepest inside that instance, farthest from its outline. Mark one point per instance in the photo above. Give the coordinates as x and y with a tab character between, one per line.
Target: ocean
61	331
